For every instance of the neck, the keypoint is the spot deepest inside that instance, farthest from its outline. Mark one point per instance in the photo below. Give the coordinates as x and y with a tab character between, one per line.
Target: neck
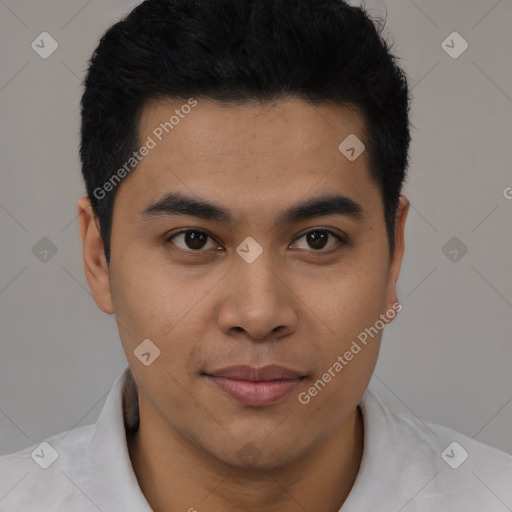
174	475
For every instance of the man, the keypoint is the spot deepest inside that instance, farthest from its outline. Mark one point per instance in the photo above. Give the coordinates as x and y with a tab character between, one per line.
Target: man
244	162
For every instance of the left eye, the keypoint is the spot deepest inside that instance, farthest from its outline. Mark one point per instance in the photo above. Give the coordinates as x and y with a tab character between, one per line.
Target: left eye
196	240
317	239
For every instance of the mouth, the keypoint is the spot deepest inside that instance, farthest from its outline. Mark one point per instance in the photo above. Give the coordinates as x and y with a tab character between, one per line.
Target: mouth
256	387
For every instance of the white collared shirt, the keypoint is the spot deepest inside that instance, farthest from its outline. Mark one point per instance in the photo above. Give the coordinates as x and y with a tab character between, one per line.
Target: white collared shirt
407	465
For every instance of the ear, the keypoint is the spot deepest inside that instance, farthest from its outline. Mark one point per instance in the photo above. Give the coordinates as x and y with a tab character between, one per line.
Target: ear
396	260
95	262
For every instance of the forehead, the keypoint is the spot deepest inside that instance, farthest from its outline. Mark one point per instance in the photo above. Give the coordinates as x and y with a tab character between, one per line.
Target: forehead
220	129
247	154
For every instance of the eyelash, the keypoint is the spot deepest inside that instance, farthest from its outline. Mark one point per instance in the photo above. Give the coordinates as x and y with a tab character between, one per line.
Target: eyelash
341	240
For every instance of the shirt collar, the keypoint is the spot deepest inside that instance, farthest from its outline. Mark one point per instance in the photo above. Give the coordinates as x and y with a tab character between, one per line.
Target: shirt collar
106	475
108	472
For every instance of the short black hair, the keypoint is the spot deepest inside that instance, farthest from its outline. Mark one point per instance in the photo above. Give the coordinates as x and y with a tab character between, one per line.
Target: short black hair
242	51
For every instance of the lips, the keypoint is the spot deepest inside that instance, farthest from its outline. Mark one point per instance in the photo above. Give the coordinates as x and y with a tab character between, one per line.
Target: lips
256	387
248	373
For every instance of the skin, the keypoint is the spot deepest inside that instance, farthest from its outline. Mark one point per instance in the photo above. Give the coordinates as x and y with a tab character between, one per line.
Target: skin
205	308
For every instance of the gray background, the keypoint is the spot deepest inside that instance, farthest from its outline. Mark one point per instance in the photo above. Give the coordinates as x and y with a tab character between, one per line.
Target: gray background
446	358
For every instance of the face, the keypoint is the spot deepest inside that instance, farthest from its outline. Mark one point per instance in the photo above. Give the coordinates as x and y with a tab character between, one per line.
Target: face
220	257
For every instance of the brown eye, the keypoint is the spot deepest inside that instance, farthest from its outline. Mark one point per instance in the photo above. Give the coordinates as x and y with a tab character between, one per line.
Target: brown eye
190	240
318	239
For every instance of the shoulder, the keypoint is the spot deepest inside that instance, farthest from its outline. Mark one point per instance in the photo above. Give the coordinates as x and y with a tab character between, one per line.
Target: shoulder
434	466
455	449
466	470
83	469
44	471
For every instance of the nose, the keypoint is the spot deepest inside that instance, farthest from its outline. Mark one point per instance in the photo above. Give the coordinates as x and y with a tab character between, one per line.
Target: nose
258	301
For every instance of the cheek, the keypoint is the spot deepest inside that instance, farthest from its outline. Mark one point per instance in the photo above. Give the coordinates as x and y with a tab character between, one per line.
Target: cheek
352	310
353	298
155	302
347	364
350	352
149	295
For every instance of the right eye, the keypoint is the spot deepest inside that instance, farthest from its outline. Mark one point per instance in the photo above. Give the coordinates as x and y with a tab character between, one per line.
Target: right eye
190	240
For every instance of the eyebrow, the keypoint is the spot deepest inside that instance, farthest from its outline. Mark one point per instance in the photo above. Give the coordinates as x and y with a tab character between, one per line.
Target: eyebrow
177	203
